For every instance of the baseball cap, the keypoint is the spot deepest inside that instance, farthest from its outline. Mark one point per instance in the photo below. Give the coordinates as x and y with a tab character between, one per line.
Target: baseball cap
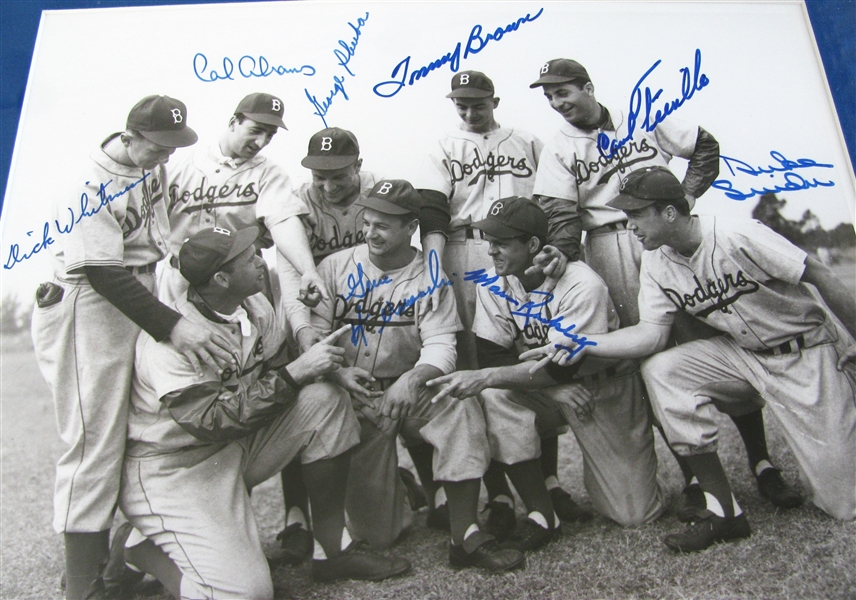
330	149
162	120
206	251
644	187
514	216
471	84
561	70
262	108
393	197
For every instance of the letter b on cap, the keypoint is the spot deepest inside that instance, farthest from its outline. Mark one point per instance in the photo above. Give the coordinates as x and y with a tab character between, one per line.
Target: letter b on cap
275	104
384	189
545	68
326	144
176	115
496	209
465	79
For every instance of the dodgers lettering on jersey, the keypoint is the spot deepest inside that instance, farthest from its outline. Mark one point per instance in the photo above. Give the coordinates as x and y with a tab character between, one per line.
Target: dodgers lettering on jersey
474	169
573	168
744	280
208	190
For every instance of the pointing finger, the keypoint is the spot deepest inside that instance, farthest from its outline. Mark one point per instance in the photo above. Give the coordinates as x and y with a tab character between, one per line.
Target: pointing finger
331	339
540	364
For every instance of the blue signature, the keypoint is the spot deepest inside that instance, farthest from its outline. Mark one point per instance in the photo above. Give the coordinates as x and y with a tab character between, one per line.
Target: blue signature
359	285
15	255
390	310
248	67
481	278
793	181
344	53
690	84
475	44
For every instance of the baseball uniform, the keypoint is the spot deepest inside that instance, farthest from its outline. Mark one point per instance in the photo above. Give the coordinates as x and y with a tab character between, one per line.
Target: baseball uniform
85	345
329	228
617	443
207	189
198	443
744	280
393	331
473	170
581	180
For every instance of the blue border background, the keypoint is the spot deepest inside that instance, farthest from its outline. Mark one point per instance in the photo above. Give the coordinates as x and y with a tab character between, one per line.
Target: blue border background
833	21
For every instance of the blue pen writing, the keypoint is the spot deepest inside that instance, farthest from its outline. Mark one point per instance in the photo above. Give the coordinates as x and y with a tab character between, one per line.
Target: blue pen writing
15	256
349	48
475	44
784	165
690	84
794	182
248	67
359	285
321	108
527	311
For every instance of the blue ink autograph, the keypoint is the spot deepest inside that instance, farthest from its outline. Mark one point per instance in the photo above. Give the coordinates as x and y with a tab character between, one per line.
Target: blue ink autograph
15	255
793	181
359	286
248	67
480	277
382	312
344	53
690	84
475	44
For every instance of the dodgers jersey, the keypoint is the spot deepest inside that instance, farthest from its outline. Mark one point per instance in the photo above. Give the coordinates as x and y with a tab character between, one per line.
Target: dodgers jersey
160	369
744	280
388	313
573	168
474	169
208	189
578	305
121	217
331	227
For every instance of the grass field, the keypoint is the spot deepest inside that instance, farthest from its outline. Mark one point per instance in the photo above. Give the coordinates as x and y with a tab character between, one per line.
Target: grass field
796	554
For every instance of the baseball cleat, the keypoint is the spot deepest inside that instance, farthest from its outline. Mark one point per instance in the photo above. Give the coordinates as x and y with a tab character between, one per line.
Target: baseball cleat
707	530
415	493
501	520
692	503
296	544
774	488
483	551
117	578
568	510
438	518
360	563
529	536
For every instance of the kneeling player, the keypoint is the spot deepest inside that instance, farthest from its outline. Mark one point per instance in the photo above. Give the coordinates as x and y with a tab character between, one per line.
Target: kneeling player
398	343
602	400
198	443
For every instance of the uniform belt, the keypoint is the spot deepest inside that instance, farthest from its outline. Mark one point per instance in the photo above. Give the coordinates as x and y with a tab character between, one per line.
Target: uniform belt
617	226
149	268
474	233
599	377
789	347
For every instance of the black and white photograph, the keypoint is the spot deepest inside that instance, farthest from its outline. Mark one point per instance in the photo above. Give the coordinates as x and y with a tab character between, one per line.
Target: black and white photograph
428	300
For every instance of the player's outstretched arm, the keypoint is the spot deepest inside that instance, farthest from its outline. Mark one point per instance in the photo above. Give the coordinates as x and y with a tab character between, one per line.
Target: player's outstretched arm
290	239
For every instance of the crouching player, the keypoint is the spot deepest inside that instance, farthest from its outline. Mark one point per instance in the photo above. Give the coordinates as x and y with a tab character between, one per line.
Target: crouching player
198	442
601	400
398	343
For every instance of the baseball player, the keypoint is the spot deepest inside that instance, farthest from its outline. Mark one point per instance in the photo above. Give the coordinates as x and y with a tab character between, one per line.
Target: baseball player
602	400
749	283
575	182
86	322
473	166
397	344
197	443
228	184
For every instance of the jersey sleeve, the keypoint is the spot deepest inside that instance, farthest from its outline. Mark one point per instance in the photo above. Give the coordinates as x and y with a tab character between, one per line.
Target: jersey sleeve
765	254
276	198
492	320
321	316
584	306
654	305
295	312
554	178
435	173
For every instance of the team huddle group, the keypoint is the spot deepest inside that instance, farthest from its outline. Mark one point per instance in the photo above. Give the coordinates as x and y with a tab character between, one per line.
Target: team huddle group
558	287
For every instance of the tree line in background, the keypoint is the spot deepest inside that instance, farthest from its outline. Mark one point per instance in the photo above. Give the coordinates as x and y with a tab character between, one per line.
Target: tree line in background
807	233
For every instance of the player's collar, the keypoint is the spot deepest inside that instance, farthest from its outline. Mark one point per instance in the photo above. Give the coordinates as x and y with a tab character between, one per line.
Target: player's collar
220	158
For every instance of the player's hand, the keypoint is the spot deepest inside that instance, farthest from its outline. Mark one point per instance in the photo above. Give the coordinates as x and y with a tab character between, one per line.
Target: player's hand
578	398
561	356
460	384
322	358
358	382
312	289
848	356
308	337
550	261
200	343
398	399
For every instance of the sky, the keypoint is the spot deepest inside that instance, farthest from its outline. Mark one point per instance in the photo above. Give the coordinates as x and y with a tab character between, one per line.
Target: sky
765	91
